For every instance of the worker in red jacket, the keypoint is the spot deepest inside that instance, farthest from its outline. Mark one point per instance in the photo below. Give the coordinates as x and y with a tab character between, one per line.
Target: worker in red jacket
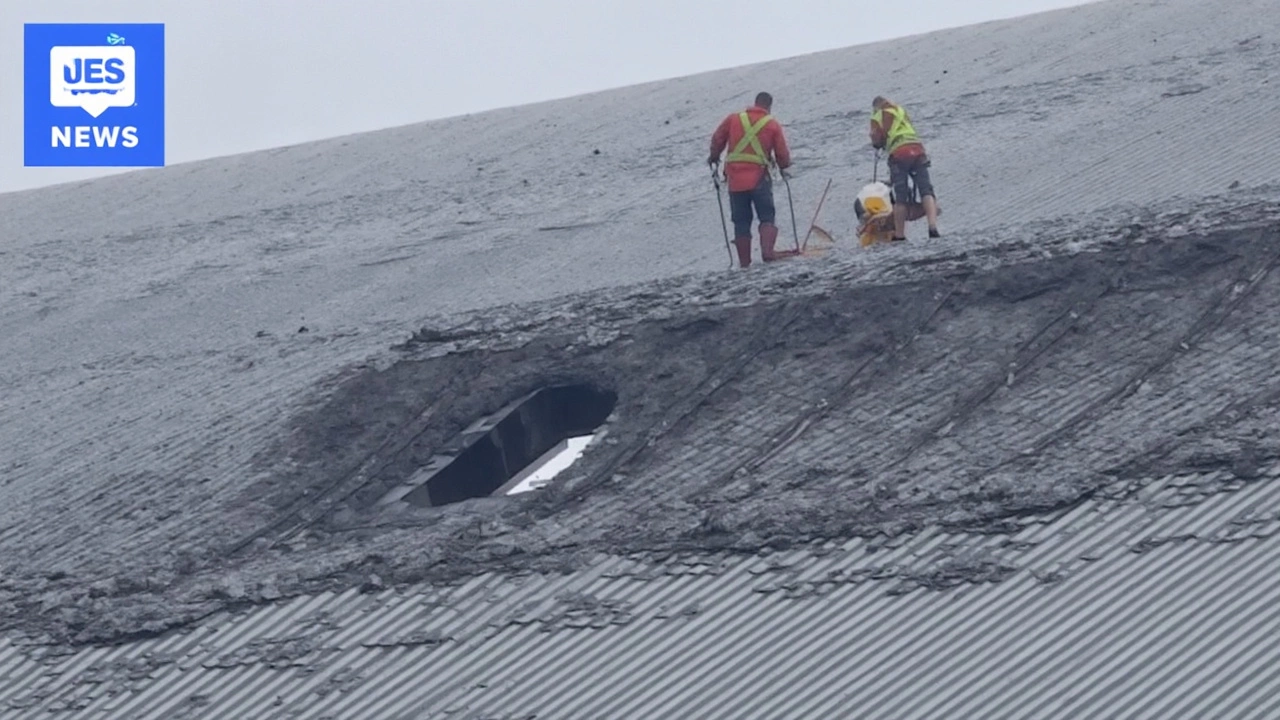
754	139
891	129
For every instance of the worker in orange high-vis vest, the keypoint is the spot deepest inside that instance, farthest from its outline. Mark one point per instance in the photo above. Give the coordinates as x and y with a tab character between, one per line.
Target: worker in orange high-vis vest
755	141
891	129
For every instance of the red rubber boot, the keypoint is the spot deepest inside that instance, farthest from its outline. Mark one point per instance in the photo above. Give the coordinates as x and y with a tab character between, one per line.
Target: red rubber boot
768	241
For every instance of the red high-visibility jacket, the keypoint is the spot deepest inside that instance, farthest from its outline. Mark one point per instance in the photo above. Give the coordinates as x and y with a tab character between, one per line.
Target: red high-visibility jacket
746	174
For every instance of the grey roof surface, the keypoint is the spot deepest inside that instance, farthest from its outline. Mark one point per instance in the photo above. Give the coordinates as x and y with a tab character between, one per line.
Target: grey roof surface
1005	415
1154	602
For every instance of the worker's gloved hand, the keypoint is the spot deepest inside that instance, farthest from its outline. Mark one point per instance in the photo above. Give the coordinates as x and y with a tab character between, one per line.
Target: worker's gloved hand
713	161
785	172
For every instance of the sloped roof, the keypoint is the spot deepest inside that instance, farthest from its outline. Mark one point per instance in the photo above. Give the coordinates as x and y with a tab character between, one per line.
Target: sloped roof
1119	561
177	445
1153	601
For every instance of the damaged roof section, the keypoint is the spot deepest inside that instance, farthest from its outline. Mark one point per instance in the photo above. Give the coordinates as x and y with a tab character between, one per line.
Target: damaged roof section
959	399
500	453
813	402
164	359
1028	470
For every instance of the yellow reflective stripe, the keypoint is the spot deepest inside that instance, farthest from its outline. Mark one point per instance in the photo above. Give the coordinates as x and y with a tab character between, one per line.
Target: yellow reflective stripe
900	131
750	137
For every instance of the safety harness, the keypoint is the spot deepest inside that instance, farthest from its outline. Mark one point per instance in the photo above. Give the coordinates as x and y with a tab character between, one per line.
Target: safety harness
750	138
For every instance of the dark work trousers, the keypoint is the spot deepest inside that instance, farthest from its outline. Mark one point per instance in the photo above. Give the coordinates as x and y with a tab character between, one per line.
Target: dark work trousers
741	203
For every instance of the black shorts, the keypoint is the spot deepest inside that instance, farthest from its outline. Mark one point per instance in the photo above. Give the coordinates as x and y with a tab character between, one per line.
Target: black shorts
916	169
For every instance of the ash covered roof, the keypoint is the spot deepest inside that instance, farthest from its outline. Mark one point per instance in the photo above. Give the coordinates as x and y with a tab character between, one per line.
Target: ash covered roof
1025	471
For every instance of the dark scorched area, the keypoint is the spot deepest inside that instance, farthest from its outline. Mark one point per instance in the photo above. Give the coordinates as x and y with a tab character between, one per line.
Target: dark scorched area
764	411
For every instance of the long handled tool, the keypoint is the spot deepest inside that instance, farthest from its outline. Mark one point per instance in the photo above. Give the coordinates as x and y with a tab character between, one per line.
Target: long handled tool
814	221
794	233
723	224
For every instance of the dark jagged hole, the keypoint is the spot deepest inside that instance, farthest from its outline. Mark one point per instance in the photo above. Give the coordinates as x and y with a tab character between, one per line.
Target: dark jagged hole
507	443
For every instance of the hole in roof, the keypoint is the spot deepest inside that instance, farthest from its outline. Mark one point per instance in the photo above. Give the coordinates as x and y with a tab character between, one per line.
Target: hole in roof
515	450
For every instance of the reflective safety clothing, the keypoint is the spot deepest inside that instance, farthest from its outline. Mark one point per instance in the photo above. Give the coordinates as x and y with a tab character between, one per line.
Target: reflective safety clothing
750	140
754	139
892	130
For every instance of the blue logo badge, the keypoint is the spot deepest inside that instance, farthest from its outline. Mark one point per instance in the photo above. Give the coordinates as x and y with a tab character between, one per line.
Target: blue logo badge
94	95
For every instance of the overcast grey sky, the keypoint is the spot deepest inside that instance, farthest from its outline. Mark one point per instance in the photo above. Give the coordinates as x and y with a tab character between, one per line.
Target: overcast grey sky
246	75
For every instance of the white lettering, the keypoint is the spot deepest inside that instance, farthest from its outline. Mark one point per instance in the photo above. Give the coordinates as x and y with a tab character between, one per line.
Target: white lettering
94	136
103	136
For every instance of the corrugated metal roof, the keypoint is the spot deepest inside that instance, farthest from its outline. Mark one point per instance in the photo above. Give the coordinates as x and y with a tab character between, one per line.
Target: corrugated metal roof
136	407
1157	599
